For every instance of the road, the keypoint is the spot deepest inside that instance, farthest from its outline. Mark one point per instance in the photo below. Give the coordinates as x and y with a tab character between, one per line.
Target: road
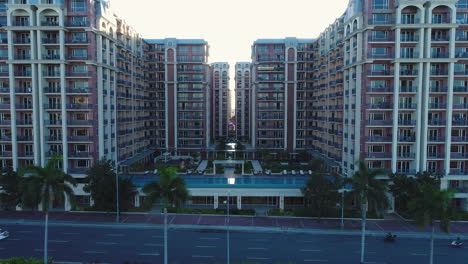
145	245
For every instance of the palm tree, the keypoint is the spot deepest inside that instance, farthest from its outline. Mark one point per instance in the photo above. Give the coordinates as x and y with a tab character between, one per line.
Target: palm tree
170	189
370	192
43	186
430	205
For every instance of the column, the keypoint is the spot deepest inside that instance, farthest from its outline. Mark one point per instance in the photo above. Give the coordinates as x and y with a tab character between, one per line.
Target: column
243	162
137	200
67	204
239	202
281	202
216	201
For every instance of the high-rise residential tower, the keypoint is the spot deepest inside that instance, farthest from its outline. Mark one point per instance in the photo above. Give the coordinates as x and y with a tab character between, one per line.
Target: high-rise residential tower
281	75
179	75
220	101
243	97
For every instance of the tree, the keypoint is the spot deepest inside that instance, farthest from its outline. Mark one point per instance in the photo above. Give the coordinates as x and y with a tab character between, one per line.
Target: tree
44	186
318	165
404	187
171	189
370	193
321	192
101	185
429	205
10	195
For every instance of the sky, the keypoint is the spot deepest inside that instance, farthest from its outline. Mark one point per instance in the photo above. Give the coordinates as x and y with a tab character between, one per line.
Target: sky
230	27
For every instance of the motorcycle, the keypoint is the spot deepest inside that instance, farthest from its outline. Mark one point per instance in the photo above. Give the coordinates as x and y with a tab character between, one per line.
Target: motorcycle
456	244
390	238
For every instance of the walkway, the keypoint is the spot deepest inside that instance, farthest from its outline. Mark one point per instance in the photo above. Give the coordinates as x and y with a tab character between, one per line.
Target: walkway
256	165
202	166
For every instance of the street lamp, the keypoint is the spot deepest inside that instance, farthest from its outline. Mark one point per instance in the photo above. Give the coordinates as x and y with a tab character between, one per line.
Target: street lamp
231	181
342	191
228	246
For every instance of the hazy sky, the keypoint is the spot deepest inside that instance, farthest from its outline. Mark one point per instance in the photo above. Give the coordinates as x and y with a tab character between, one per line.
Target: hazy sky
230	27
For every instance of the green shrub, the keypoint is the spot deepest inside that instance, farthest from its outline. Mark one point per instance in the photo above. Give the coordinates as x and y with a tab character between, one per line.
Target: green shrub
20	260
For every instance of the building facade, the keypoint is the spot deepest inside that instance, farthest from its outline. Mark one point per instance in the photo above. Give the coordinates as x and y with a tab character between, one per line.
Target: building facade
281	74
179	72
405	87
243	97
220	100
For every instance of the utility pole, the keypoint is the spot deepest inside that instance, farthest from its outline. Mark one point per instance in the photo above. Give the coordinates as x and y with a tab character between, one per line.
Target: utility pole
165	235
228	246
117	218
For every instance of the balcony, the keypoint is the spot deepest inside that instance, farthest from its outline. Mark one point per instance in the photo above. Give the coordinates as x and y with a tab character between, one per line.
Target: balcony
380	89
54	138
379	139
387	21
79	106
441	19
459	139
435	155
24	107
22	56
25	154
388	38
77	41
50	41
21	73
51	73
6	153
21	23
408	72
80	122
379	106
459	172
436	122
402	122
459	155
407	106
52	106
52	90
437	106
439	55
79	154
51	57
72	23
379	155
79	90
379	122
380	73
80	138
23	90
53	122
405	155
460	106
408	89
438	89
50	23
460	89
460	122
22	41
436	139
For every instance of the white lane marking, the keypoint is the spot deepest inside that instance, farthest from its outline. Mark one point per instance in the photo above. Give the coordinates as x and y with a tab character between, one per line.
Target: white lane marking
71	233
307	241
197	256
257	258
257	248
418	254
311	250
318	260
153	245
42	250
259	239
148	254
58	241
105	243
94	252
210	238
115	235
205	246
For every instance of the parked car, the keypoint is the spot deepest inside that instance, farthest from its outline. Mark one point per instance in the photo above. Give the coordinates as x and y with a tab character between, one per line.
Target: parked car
4	234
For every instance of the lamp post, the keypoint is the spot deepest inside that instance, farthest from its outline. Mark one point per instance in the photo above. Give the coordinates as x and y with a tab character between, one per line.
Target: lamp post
231	181
342	191
165	235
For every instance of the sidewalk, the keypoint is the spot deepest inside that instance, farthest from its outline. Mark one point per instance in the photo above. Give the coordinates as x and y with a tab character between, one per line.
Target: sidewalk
241	223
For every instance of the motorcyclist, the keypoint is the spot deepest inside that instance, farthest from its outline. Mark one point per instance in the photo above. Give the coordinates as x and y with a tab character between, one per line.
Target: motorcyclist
457	241
389	235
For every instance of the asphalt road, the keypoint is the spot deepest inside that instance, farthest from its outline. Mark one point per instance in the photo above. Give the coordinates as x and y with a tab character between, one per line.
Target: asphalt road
116	245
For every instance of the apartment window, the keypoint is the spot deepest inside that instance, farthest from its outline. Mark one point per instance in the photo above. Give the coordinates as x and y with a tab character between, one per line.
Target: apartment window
262	48
379	67
80	68
81	53
379	51
80	36
379	83
183	49
197	49
78	21
462	4
407	53
3	68
380	18
382	35
376	148
462	18
197	58
78	6
379	4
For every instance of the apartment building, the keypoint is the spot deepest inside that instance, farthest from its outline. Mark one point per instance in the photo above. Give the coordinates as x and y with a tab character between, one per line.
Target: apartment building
281	75
220	100
405	79
243	93
327	96
179	77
